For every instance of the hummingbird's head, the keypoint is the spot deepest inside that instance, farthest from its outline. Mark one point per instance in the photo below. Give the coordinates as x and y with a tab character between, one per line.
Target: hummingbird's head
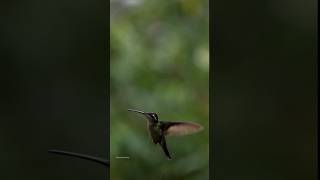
151	116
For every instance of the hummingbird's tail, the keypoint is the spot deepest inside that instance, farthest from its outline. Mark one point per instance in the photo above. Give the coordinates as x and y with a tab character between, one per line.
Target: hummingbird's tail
164	147
82	156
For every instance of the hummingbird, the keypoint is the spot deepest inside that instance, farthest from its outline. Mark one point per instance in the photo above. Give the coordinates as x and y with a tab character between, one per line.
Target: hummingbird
81	156
158	130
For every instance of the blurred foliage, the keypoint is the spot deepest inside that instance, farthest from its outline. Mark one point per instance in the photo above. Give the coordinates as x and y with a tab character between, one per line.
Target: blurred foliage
159	63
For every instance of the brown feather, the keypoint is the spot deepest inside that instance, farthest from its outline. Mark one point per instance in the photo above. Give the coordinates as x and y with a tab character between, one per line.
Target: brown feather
181	128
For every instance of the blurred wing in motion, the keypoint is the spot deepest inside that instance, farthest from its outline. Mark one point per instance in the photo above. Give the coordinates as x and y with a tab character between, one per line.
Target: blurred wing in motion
181	128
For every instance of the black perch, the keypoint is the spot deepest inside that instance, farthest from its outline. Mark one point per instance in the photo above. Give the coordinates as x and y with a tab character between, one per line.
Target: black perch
81	156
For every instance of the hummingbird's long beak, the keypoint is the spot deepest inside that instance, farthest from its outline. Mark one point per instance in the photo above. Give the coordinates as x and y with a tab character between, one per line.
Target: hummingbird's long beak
133	110
82	156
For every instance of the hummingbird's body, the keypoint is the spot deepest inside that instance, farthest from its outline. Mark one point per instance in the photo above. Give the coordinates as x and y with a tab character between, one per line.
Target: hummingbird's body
160	129
157	134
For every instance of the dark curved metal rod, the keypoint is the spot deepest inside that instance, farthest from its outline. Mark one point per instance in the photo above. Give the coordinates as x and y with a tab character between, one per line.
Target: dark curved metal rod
81	156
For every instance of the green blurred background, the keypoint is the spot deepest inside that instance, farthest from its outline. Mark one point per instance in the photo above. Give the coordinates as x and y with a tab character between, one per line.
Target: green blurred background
159	60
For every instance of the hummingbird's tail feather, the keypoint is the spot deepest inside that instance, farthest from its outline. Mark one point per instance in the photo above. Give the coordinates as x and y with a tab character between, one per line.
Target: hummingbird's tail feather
81	156
164	147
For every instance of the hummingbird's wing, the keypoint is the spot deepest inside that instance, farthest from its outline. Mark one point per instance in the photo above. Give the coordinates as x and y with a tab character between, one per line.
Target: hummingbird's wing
164	147
181	128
